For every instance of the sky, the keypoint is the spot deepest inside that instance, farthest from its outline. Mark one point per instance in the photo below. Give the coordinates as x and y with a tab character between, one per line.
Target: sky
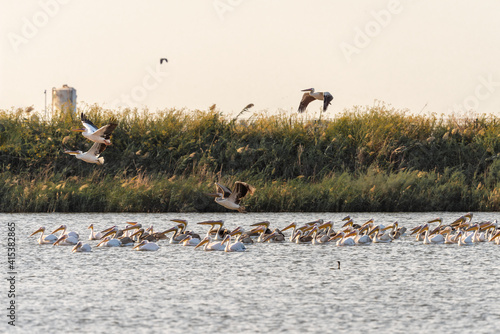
426	56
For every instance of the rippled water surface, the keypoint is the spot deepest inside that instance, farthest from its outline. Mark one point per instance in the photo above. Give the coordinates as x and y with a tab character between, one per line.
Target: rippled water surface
402	287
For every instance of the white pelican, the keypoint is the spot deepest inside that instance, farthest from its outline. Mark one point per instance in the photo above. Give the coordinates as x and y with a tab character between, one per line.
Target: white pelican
44	239
190	241
81	247
108	242
434	239
383	238
231	199
344	239
310	96
92	155
465	240
91	132
144	245
210	246
237	246
72	236
99	235
65	240
495	238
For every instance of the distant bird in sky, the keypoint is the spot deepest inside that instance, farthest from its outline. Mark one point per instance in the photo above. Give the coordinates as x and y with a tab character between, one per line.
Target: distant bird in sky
231	199
92	155
91	132
310	96
163	59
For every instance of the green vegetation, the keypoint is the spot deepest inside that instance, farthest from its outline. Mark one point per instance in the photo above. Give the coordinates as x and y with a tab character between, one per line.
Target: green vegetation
365	159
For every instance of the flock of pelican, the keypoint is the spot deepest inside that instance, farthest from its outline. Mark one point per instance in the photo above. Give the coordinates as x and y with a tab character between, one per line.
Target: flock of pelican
461	231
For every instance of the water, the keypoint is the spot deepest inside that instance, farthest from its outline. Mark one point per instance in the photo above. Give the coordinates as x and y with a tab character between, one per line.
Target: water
402	287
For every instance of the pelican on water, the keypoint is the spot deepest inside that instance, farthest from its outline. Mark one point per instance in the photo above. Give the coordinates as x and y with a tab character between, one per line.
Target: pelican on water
92	155
81	247
44	239
231	199
145	245
310	96
91	132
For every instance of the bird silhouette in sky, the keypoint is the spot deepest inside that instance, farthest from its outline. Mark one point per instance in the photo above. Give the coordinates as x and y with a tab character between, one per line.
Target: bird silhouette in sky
163	59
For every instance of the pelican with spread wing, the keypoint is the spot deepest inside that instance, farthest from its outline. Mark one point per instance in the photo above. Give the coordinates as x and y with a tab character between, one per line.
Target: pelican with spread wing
92	155
91	132
310	95
231	199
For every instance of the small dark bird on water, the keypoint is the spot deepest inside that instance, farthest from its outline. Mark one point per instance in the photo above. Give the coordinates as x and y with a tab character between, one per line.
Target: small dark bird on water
338	268
163	59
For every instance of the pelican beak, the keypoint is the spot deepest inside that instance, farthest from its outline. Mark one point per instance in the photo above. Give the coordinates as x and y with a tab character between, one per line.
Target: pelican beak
41	229
139	245
434	220
59	240
350	234
289	227
78	130
204	241
60	228
78	245
306	90
270	236
100	242
266	224
348	223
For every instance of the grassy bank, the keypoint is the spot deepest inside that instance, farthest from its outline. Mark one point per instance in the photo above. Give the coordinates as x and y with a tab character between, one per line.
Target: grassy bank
365	159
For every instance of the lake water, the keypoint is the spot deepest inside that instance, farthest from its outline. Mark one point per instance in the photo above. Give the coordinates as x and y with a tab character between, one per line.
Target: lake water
401	287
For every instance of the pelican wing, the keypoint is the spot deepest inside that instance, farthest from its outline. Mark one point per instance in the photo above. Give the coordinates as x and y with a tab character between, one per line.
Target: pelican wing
88	124
306	99
97	149
106	130
327	99
223	190
241	189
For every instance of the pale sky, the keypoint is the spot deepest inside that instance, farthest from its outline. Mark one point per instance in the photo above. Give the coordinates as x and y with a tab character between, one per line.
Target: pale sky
444	55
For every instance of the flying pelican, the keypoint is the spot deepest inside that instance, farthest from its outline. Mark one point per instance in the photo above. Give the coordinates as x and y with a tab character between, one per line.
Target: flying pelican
44	239
91	132
231	199
92	155
163	59
144	245
310	96
81	247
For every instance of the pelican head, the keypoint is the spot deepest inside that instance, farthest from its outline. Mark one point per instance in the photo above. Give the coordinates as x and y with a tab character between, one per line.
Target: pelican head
202	242
40	230
78	245
60	228
103	241
62	238
142	243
